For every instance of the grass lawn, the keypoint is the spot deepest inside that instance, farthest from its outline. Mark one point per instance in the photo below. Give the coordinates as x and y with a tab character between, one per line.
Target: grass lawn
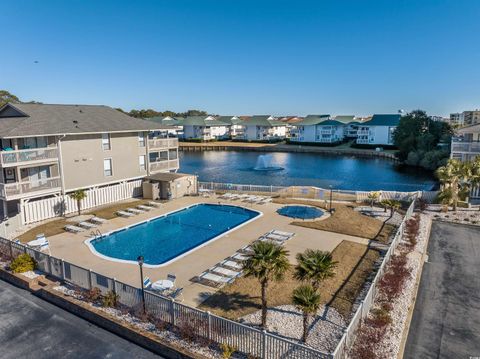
55	226
243	296
345	220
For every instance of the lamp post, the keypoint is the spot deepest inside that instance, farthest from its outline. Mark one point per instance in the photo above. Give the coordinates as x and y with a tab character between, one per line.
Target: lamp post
140	261
331	192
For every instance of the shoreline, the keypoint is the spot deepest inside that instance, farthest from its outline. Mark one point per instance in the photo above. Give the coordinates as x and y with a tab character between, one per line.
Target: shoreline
275	147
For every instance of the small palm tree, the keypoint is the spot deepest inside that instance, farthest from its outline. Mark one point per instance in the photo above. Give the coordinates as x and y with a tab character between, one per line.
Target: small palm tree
454	177
314	266
268	262
392	204
373	197
306	299
78	196
386	204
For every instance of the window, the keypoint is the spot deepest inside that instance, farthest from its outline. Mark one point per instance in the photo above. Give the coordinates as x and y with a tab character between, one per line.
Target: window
141	162
106	141
141	139
107	167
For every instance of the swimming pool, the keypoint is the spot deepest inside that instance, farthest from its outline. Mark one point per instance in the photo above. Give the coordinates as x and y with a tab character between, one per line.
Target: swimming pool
302	212
164	239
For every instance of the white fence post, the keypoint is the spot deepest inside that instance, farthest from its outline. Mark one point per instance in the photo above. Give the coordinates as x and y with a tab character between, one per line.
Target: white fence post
264	344
89	279
209	326
172	311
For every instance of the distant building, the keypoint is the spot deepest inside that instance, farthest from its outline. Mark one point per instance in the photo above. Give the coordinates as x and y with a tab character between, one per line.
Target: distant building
456	119
173	127
471	117
203	128
379	130
264	128
466	146
236	126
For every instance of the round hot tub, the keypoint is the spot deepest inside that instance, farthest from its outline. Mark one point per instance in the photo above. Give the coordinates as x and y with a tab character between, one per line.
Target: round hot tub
300	212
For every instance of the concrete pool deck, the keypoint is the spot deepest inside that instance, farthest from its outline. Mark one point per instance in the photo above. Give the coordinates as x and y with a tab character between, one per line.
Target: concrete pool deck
71	247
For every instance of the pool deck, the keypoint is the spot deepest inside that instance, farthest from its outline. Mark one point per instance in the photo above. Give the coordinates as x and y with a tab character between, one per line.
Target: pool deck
71	247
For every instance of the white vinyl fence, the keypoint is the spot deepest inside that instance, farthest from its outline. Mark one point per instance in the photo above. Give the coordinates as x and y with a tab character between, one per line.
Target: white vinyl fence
365	305
245	339
42	209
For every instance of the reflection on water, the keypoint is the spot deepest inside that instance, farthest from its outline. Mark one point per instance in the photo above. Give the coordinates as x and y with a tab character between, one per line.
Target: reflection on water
304	169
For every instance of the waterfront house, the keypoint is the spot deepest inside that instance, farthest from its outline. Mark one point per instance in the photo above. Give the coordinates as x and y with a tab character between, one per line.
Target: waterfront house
466	146
236	126
172	126
264	128
51	150
379	130
204	128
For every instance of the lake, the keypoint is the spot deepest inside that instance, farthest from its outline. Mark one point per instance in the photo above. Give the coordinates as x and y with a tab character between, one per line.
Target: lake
304	169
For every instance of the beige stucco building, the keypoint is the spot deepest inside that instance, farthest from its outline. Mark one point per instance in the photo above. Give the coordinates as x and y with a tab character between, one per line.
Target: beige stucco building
51	150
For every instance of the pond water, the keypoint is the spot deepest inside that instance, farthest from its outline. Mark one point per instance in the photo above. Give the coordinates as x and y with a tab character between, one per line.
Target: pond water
304	169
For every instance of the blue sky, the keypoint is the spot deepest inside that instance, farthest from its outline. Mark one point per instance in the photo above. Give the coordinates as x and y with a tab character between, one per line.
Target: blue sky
245	57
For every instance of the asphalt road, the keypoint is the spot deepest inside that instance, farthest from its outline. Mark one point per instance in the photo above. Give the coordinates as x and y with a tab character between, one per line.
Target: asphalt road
33	328
446	317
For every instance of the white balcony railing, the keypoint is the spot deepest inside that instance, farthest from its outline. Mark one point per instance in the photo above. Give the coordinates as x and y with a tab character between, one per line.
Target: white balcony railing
167	165
14	158
19	189
472	147
162	143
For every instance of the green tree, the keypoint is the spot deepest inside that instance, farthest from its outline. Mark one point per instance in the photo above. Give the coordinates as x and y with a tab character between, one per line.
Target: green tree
391	204
454	177
314	266
373	197
6	97
306	299
78	196
268	262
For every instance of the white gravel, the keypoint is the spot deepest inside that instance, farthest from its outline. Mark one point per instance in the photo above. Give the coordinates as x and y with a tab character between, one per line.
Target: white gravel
460	216
326	329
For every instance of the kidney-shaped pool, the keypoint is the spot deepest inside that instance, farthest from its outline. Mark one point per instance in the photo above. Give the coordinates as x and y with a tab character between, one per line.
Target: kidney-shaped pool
164	239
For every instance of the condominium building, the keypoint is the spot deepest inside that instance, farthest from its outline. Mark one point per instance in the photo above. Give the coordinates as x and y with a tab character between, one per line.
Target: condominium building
457	119
235	125
471	117
466	145
203	128
51	150
264	128
379	130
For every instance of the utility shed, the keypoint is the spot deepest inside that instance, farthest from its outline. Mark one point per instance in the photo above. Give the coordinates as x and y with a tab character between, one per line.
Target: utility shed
169	185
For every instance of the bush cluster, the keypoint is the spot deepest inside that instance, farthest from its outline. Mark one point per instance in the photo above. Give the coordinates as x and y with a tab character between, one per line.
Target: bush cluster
23	263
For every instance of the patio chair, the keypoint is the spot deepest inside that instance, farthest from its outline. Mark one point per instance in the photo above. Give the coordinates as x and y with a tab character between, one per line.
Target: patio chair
45	247
72	228
177	294
216	280
152	204
282	233
86	225
97	220
225	272
147	283
172	278
247	249
276	237
239	257
227	195
231	264
124	214
144	208
134	210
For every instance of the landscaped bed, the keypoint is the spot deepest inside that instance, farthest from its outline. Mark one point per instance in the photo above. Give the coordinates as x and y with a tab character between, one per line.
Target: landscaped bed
355	263
345	220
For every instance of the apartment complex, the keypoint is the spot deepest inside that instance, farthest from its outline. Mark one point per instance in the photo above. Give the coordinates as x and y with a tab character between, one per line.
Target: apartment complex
465	118
379	130
51	150
264	128
323	129
203	128
466	146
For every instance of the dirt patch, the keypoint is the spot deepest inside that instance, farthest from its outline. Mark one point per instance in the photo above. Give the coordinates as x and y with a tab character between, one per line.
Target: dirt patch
355	262
55	226
345	220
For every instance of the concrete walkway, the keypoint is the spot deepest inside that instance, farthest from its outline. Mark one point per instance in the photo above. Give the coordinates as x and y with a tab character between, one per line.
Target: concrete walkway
446	318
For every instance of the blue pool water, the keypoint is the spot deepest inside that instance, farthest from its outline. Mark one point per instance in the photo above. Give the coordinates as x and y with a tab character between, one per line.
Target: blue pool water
303	212
162	239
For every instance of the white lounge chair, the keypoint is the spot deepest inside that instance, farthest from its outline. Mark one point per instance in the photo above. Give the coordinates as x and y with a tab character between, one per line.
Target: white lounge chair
97	220
247	249
231	264
124	214
282	233
144	208
213	278
276	237
152	204
72	228
239	257
177	294
226	195
87	225
147	283
134	210
225	272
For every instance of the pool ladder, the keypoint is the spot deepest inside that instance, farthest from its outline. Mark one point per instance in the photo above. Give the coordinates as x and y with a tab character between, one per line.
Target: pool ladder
96	233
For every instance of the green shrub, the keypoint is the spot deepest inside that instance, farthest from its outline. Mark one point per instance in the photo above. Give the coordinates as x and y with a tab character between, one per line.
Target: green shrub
110	299
23	263
227	350
93	294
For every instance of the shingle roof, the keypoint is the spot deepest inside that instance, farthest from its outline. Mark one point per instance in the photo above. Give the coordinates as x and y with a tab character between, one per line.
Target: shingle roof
263	120
383	120
313	120
345	118
23	120
166	121
229	120
199	121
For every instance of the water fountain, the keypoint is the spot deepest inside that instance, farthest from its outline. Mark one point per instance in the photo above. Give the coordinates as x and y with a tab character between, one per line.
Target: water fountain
264	163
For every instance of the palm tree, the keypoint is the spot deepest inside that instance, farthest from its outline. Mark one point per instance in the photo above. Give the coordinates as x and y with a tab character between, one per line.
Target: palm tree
454	178
373	197
314	266
268	262
392	204
78	196
475	173
306	299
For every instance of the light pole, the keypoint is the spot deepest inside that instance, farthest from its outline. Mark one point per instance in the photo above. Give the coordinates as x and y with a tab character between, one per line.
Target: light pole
140	261
330	209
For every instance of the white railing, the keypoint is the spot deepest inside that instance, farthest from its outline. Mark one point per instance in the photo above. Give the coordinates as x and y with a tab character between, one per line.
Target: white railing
473	147
161	143
13	158
17	189
166	165
247	340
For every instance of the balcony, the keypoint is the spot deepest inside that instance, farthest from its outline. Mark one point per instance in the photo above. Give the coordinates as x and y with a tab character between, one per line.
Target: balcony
10	191
27	157
468	147
164	166
162	143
